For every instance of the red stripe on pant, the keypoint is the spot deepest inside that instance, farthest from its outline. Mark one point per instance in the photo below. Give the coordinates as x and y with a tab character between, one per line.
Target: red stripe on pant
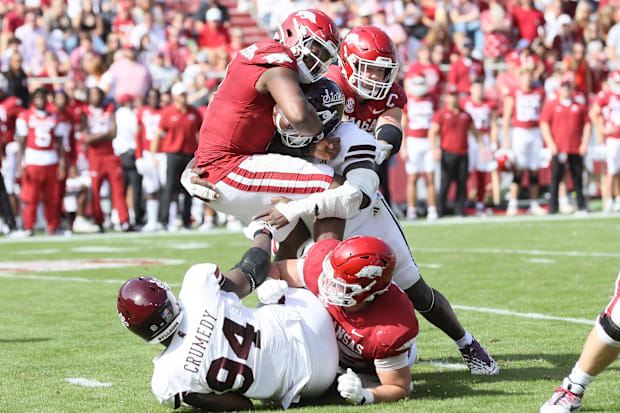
41	180
256	184
615	299
108	167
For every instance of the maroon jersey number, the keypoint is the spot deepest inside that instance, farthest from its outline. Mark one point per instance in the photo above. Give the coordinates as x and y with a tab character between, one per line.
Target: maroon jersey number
233	368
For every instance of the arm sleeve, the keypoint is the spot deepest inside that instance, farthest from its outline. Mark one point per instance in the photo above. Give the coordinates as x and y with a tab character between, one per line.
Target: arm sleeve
393	363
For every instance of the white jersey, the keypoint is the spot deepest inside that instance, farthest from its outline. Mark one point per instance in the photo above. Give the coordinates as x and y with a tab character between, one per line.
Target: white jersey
224	346
356	145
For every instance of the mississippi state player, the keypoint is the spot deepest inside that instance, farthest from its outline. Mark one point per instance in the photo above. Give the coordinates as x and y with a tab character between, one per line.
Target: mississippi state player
375	323
417	155
367	68
484	114
238	125
608	130
522	109
375	218
148	122
10	108
600	350
42	162
220	353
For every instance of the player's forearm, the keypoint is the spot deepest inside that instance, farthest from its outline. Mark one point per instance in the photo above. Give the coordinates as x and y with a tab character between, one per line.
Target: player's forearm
545	131
306	121
218	402
587	133
388	393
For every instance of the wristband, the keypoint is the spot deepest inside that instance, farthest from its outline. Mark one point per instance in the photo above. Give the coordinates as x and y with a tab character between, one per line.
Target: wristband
263	231
367	397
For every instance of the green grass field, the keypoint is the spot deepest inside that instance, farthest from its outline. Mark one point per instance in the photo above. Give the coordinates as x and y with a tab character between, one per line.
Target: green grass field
56	325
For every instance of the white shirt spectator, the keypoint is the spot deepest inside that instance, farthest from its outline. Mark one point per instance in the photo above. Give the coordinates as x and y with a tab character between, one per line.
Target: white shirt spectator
613	40
28	36
163	76
126	128
156	35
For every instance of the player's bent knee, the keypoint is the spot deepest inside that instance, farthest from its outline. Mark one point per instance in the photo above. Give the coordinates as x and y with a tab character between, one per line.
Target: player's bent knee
422	296
608	330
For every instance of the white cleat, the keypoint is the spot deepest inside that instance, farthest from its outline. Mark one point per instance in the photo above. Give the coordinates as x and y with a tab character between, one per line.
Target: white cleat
84	226
206	226
566	209
478	360
537	210
512	211
562	401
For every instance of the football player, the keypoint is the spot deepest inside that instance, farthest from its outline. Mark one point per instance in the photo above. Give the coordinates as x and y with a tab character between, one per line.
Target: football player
367	68
601	349
375	218
374	321
218	353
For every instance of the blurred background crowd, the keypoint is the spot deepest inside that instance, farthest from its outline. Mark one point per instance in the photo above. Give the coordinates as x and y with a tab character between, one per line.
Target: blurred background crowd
131	48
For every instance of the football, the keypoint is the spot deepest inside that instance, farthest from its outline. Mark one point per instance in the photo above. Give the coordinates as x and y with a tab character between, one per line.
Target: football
279	120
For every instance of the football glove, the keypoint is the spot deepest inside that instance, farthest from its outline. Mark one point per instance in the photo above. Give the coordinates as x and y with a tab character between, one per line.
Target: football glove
270	291
255	226
350	389
140	166
195	189
383	152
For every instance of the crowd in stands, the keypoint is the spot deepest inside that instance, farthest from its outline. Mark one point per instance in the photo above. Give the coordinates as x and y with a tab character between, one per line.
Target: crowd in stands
128	51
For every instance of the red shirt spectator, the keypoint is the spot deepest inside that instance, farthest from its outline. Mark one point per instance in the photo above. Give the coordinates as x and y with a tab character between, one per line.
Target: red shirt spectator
175	53
453	129
181	128
528	20
566	120
213	34
496	31
463	71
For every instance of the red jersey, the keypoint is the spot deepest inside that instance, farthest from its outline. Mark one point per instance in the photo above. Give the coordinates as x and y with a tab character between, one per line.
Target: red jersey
211	38
419	112
67	131
432	74
239	121
385	328
610	107
528	22
40	129
527	106
99	120
463	71
365	113
566	123
453	130
148	122
181	129
479	112
10	108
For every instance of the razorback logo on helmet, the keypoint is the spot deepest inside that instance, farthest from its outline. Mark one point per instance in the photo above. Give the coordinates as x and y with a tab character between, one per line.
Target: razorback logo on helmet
307	14
370	271
277	58
353	38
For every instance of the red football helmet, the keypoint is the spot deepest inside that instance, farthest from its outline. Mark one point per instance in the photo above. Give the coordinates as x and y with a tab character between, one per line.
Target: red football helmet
357	270
147	307
505	160
368	50
313	39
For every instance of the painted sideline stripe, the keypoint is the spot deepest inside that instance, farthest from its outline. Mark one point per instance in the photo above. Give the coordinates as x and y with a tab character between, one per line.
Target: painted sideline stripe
502	219
81	381
451	366
72	279
520	252
536	316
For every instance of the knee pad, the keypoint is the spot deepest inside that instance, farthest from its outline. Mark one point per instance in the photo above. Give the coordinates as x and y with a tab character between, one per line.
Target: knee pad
422	296
608	330
533	178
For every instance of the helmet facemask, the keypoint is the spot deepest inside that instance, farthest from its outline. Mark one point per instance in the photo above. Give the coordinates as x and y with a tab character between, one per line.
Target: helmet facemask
314	55
361	81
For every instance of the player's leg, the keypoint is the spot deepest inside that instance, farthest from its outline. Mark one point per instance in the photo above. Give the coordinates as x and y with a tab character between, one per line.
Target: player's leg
600	349
150	186
428	165
557	172
461	184
30	195
97	178
167	189
5	207
575	163
447	176
117	189
412	194
51	199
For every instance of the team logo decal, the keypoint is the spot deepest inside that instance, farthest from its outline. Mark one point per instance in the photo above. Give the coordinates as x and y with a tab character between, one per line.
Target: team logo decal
370	271
349	106
308	15
332	98
123	320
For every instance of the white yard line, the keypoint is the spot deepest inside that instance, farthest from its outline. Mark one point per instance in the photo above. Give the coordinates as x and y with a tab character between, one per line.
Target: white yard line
541	260
71	279
501	219
520	252
536	316
451	366
81	381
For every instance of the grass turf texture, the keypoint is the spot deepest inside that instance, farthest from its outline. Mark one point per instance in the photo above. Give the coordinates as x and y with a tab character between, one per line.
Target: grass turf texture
56	329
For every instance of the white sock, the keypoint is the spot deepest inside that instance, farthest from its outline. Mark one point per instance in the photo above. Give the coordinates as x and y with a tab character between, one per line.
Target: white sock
534	204
132	215
577	380
410	211
609	203
172	213
208	219
464	341
479	206
512	203
432	208
618	199
152	209
564	200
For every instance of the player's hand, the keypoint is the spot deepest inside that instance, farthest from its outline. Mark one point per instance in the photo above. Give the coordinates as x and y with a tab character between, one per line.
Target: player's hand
198	187
553	148
383	152
404	155
60	171
72	172
350	387
271	291
272	217
583	149
436	154
325	149
140	166
254	226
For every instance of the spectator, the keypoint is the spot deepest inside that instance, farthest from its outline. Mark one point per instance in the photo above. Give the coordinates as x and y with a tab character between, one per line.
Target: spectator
200	17
181	125
155	34
451	126
12	48
77	56
18	81
113	45
566	129
563	41
214	34
528	20
163	75
198	94
553	26
496	25
576	63
175	53
465	68
431	72
613	41
98	76
582	19
28	34
89	20
130	77
465	17
394	30
123	24
237	42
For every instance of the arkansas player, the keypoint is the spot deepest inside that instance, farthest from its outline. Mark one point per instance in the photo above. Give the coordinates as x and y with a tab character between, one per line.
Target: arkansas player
367	68
10	107
605	114
99	129
238	125
484	115
42	162
417	155
522	111
148	122
375	324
